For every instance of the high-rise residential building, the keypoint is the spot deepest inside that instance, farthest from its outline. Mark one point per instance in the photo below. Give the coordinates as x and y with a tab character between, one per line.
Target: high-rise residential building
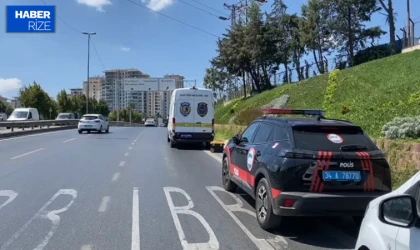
75	92
113	88
148	96
3	99
179	80
15	103
95	87
130	88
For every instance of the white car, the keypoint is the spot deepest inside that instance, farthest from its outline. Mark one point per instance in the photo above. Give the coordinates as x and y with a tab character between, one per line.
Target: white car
93	122
392	221
150	123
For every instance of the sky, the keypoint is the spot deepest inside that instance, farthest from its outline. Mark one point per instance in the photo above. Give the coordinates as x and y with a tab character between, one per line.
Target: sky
171	37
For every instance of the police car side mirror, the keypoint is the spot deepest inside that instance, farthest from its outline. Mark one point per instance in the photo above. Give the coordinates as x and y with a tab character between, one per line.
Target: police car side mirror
235	139
399	211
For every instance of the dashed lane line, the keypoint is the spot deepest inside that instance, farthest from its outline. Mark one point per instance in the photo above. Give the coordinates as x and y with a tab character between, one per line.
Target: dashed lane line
126	154
25	154
72	139
122	164
115	177
104	204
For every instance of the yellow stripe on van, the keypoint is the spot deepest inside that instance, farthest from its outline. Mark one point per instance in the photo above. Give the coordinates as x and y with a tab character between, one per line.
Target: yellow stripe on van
202	125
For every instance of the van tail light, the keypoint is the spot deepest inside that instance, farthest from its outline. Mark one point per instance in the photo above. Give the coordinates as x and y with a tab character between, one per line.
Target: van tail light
212	125
173	125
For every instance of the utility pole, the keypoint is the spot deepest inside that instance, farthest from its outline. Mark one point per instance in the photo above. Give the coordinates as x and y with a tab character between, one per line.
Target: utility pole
87	83
408	23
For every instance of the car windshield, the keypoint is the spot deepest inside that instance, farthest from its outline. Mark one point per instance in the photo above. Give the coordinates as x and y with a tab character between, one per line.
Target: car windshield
90	117
64	116
19	114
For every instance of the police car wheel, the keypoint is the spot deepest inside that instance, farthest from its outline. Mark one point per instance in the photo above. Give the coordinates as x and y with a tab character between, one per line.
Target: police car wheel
228	184
173	144
264	207
169	140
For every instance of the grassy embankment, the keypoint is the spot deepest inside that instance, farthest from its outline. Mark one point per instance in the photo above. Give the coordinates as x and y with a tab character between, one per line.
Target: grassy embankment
369	95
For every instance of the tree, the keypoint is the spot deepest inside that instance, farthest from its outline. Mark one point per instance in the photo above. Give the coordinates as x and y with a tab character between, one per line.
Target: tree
348	25
315	31
78	104
102	108
33	96
63	102
391	21
5	108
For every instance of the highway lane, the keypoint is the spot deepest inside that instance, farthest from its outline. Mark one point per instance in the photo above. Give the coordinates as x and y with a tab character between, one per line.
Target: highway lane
130	190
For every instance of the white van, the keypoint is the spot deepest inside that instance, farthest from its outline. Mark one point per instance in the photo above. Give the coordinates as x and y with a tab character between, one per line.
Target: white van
191	116
24	114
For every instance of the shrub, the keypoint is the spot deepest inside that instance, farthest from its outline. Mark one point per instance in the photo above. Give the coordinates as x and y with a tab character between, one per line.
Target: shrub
402	128
246	116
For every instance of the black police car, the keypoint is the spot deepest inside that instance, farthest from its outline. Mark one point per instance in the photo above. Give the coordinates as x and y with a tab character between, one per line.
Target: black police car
305	167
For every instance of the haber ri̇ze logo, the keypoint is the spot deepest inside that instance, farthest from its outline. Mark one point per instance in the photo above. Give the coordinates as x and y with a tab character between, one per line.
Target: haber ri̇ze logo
30	19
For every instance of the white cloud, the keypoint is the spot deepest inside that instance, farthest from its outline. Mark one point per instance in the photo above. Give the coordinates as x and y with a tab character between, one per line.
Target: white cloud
158	5
9	85
125	49
98	4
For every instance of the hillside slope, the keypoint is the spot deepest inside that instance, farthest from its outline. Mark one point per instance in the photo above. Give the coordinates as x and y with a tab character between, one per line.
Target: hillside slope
369	95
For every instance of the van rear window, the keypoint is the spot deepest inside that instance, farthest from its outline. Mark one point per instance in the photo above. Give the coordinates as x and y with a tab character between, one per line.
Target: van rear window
328	138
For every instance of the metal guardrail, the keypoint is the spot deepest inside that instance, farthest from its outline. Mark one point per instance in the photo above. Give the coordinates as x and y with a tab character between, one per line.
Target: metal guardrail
47	123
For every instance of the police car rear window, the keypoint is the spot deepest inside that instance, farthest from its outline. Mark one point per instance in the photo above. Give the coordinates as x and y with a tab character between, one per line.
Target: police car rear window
323	138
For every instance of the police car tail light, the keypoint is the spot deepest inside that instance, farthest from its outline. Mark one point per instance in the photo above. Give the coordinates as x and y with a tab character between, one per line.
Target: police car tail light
288	203
293	112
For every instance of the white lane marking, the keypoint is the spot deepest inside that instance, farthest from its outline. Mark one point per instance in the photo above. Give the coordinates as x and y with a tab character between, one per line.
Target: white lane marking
277	243
86	247
130	148
135	228
212	243
24	136
135	140
104	204
126	154
25	154
52	215
115	177
9	193
122	164
214	156
69	140
132	143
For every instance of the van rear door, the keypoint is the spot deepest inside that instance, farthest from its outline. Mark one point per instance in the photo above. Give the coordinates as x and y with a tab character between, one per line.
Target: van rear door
184	120
203	111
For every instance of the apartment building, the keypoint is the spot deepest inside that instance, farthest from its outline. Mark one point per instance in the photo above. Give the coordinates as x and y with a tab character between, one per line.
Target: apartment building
15	103
3	99
113	87
148	96
179	80
95	87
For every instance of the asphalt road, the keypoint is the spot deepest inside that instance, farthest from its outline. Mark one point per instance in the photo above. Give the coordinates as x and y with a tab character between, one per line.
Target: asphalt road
129	190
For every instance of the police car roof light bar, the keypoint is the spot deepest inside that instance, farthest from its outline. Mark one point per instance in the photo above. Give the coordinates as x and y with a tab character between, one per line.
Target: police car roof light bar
313	112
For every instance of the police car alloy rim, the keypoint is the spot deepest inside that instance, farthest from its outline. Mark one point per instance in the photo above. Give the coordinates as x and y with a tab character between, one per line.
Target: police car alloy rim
262	203
225	173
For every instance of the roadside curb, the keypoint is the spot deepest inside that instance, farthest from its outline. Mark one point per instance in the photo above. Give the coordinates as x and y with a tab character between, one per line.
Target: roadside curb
34	131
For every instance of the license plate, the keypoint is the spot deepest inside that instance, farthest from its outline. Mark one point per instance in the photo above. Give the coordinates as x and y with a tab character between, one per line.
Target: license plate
186	136
88	126
341	175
